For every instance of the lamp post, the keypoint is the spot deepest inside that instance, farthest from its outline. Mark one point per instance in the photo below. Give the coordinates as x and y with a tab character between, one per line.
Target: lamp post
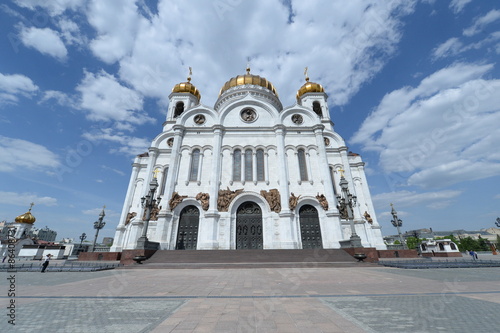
82	238
345	207
98	225
497	223
149	203
397	223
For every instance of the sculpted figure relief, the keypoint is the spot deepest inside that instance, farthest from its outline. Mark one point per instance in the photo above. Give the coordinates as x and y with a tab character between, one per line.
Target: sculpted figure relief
130	216
273	198
322	201
292	202
153	216
175	200
342	207
368	217
225	197
204	199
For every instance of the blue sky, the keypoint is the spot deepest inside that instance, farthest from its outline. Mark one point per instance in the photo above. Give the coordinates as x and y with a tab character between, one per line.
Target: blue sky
414	87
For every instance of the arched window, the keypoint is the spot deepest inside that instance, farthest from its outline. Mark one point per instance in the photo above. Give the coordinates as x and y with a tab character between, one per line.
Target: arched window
179	108
164	181
317	108
248	165
302	164
237	165
260	165
332	173
453	246
195	162
441	246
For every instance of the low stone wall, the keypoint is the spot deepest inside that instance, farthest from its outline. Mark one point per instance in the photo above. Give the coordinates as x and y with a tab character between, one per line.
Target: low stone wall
397	253
127	257
99	256
371	252
442	254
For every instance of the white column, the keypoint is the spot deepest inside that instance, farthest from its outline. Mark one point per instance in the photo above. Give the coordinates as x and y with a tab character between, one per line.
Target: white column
231	156
130	191
200	167
174	163
324	169
216	167
279	130
266	167
309	170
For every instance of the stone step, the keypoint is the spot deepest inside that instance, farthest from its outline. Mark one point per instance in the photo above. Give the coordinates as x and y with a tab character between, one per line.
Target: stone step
250	257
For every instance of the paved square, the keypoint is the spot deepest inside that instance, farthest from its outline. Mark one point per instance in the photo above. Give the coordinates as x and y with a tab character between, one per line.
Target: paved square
367	298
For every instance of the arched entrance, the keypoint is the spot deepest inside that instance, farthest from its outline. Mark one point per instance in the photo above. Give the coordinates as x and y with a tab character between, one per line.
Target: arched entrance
187	233
310	230
249	226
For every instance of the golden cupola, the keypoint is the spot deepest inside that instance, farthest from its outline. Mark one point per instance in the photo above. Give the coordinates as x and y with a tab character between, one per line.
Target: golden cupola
249	79
26	217
187	87
309	87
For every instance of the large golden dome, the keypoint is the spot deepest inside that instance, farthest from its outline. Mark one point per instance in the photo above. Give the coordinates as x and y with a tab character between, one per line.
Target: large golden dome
26	217
248	79
309	87
187	87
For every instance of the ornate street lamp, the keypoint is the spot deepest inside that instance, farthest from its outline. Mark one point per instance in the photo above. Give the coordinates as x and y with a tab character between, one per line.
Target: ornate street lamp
497	223
149	203
98	225
82	238
345	207
397	223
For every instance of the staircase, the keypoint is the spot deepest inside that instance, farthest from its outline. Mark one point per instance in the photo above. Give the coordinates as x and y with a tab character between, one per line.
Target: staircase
308	258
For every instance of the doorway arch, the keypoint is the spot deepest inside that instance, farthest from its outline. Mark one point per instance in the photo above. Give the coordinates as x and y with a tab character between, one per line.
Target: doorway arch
187	233
310	229
249	226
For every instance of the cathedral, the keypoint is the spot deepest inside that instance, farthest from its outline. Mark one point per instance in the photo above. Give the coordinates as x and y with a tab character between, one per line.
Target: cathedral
246	173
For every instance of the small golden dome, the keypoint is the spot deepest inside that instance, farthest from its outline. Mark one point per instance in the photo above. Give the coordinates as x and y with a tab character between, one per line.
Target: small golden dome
309	87
248	79
26	217
187	87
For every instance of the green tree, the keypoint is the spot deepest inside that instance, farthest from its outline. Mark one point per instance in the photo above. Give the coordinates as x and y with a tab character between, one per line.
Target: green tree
412	242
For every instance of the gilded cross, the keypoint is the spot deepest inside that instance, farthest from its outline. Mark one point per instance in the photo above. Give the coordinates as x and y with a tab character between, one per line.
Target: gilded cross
341	173
31	206
156	172
305	74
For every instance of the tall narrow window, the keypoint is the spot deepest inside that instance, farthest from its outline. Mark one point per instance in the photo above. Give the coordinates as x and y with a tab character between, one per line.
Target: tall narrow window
237	165
317	108
248	165
164	181
260	165
332	174
179	108
302	164
195	162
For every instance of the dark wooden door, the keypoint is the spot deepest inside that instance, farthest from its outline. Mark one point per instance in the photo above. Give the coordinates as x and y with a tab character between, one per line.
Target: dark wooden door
187	234
310	230
249	226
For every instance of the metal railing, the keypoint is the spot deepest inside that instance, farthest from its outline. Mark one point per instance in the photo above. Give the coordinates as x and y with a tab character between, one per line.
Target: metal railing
427	264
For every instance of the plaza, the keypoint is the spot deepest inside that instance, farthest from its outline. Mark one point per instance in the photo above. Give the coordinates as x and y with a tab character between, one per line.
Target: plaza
361	297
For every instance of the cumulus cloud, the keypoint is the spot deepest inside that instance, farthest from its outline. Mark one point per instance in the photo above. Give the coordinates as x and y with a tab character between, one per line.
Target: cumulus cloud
439	132
481	22
20	199
128	145
21	154
106	99
46	41
11	86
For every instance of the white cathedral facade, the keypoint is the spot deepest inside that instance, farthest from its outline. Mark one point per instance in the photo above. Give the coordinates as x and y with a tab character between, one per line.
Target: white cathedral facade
247	174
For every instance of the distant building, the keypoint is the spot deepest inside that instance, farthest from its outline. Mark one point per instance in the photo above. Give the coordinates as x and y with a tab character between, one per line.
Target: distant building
45	234
107	241
439	248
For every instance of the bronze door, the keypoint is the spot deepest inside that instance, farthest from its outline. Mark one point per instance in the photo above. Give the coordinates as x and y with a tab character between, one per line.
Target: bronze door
187	234
310	230
249	226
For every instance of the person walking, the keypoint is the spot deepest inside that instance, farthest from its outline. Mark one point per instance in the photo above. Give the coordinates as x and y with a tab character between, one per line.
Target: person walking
46	262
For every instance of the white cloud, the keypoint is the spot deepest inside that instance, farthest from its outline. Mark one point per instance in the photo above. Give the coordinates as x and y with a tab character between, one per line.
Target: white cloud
13	85
60	97
441	131
20	154
71	33
449	48
97	211
128	145
458	5
21	199
54	7
433	200
46	41
107	100
481	22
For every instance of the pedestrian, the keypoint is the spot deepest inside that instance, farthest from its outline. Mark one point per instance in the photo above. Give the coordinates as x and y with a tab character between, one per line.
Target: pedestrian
472	254
475	255
3	260
46	262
